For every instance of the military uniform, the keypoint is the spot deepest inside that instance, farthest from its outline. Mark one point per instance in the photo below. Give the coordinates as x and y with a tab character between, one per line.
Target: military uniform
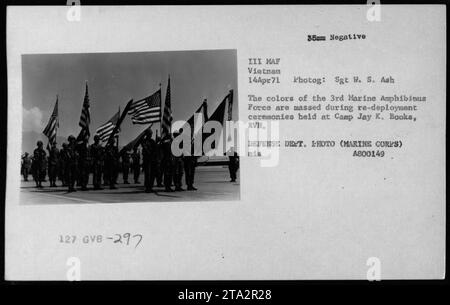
233	166
26	166
167	163
105	172
83	165
178	165
71	166
160	165
39	162
111	164
96	152
190	162
62	164
136	159
125	166
149	152
44	169
53	162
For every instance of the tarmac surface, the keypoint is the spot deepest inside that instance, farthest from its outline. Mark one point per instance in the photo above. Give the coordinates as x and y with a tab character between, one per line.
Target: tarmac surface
213	184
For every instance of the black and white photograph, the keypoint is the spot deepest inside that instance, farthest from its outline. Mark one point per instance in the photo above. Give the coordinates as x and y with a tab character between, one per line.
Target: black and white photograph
97	127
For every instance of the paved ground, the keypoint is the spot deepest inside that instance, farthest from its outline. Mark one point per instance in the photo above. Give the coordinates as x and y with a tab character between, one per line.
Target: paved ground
212	183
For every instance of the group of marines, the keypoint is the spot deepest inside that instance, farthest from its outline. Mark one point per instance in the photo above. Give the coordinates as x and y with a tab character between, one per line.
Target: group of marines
76	160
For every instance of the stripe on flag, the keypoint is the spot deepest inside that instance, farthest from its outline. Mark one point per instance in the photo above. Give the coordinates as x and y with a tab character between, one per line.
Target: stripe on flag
85	118
147	110
52	125
167	115
105	130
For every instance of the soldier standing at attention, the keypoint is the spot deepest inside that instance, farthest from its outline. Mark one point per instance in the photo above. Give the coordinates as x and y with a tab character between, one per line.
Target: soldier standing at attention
126	163
178	173
71	158
167	162
26	166
83	164
190	162
105	170
44	170
39	160
233	166
178	164
136	159
116	159
33	168
111	164
160	169
62	164
149	152
53	162
96	152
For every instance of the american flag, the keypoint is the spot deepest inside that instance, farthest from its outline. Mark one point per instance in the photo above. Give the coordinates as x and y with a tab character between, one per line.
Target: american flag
167	116
106	129
52	125
85	117
147	110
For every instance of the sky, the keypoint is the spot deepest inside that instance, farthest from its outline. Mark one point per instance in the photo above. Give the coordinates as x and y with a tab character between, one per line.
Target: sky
115	78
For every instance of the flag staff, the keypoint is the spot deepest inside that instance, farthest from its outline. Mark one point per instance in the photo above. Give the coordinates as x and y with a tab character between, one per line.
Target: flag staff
52	125
118	133
56	131
161	111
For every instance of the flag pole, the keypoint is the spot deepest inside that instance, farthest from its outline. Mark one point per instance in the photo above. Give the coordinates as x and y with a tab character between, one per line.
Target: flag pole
161	113
57	118
118	133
